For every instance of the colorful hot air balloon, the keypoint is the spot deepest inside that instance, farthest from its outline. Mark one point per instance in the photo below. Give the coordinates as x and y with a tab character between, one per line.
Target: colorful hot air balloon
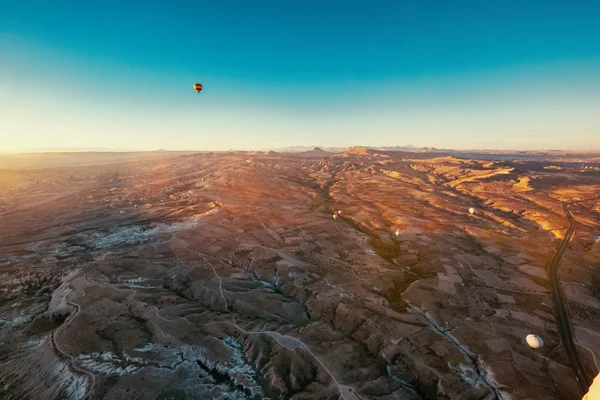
198	87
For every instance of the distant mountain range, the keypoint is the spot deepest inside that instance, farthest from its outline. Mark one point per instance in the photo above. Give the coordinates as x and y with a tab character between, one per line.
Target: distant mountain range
73	150
297	149
319	151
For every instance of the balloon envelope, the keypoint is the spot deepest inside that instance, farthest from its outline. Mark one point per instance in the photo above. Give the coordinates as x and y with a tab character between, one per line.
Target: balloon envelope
471	211
534	341
197	87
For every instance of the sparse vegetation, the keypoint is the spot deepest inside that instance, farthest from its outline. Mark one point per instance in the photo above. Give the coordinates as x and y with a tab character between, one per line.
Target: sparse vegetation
388	251
216	269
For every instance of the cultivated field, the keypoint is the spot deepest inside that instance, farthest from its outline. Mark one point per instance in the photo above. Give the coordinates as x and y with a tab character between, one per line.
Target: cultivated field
225	276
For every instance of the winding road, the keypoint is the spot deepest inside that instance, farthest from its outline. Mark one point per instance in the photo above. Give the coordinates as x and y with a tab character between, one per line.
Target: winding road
293	343
285	341
71	358
560	312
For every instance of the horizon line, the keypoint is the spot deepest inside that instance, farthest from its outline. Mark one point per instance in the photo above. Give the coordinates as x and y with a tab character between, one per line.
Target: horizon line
407	148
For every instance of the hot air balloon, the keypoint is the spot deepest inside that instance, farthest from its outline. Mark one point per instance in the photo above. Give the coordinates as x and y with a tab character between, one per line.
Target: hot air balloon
471	210
198	87
397	232
340	212
594	391
534	341
335	216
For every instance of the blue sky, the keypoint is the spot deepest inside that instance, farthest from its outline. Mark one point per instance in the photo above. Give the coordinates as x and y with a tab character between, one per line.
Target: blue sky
477	74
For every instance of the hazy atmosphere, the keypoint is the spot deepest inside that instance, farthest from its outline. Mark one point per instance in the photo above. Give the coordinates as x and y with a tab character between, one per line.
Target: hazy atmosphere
382	200
465	75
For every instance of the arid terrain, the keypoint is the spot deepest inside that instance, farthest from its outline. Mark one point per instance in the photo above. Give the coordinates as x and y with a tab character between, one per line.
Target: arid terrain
226	276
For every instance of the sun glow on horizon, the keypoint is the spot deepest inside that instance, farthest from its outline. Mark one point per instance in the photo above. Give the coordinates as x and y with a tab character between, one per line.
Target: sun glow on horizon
58	90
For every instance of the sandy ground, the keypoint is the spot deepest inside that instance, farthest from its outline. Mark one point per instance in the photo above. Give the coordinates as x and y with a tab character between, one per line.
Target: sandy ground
207	275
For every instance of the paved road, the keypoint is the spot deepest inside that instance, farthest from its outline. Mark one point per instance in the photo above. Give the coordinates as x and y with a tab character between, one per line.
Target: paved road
562	319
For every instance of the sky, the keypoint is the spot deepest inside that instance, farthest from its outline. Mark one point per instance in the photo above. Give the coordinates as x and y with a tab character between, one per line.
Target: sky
463	74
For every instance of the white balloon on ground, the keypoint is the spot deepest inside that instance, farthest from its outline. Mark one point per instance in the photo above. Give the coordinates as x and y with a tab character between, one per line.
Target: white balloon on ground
534	341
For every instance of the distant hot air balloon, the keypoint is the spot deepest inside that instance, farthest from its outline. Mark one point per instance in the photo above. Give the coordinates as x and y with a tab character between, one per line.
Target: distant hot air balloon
534	341
397	232
471	210
198	87
340	212
335	216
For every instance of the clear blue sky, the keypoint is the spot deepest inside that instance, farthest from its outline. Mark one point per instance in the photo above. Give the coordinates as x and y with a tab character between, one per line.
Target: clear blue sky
462	74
